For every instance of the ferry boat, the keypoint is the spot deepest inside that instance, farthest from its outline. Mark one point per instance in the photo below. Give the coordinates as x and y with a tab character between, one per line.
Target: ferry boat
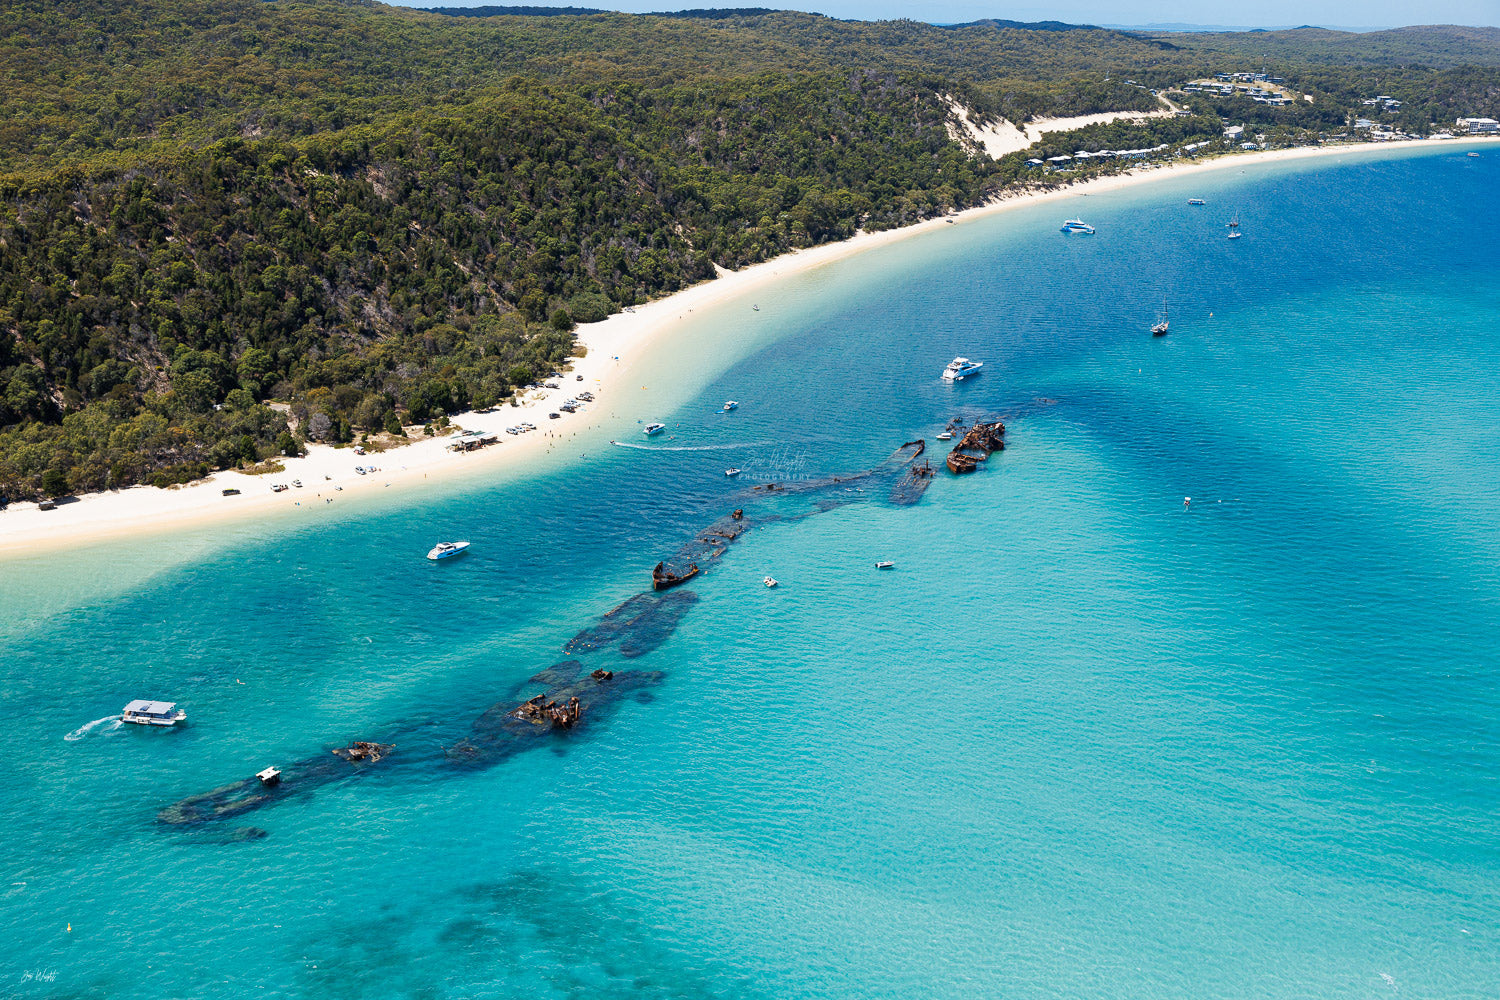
1196	201
653	429
1160	329
153	713
446	550
731	404
1077	226
961	368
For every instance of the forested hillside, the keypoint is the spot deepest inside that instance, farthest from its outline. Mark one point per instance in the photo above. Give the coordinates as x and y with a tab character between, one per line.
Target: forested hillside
372	216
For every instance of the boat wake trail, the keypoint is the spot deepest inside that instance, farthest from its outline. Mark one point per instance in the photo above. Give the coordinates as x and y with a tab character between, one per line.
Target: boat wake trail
84	729
697	447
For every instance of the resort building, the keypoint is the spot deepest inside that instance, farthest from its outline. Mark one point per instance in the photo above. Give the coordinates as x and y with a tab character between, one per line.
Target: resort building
1479	126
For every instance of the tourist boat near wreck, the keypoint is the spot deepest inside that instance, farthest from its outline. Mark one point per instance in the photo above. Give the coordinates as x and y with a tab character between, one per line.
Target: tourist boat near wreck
153	713
447	550
961	368
664	579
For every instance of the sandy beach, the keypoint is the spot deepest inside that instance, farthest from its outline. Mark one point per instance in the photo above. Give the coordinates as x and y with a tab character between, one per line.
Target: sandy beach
610	349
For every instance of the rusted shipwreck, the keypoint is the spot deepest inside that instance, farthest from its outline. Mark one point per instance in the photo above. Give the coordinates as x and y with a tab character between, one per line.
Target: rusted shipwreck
664	579
977	444
570	697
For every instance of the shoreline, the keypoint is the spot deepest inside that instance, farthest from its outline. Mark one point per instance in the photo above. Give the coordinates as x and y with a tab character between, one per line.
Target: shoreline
611	348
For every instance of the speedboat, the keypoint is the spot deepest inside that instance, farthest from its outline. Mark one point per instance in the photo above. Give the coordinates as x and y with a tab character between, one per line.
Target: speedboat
770	581
446	550
1475	155
945	436
961	368
1077	226
153	713
1196	201
731	404
652	429
731	473
885	564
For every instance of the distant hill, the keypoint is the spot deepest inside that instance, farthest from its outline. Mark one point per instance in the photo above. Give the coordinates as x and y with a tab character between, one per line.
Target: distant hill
375	216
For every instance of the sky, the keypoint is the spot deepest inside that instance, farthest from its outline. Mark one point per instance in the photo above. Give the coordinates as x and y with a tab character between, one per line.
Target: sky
1263	13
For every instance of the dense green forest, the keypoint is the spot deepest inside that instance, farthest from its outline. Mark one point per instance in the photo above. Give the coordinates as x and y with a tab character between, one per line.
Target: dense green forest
216	215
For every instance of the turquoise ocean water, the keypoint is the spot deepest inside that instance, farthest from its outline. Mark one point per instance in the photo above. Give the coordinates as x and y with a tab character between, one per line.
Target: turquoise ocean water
1081	742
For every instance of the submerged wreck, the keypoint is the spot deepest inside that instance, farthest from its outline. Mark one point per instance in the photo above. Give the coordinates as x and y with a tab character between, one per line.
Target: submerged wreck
571	697
664	579
977	444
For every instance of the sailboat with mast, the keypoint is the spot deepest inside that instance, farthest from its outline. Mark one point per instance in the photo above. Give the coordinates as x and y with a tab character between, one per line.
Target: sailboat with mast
1234	227
1160	329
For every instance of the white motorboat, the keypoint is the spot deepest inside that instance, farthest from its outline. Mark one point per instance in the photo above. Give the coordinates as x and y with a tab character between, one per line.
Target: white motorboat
885	564
731	473
945	436
446	550
153	713
961	368
654	429
770	581
730	404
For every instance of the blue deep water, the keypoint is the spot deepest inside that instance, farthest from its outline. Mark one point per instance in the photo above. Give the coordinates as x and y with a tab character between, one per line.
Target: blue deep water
1082	741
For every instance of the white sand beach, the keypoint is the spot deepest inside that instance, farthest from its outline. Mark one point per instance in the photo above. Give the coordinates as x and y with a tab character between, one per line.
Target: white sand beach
611	348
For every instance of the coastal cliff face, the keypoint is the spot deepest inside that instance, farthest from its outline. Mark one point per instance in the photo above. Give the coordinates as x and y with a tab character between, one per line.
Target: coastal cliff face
376	216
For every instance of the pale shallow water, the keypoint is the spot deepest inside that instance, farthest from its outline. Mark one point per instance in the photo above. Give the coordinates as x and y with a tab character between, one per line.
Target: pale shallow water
1080	742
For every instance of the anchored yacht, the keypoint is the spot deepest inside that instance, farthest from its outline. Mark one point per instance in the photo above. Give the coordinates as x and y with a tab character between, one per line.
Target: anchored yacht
961	368
446	550
1077	226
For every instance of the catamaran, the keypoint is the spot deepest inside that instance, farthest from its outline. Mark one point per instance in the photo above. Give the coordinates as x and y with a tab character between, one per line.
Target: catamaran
1077	226
1196	201
153	713
961	368
1160	329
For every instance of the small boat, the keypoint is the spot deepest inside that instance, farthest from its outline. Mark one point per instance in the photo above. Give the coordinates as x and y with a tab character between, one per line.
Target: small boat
885	564
731	473
652	429
770	581
153	713
1475	155
269	778
1196	201
1077	226
945	436
664	579
756	308
1236	234
961	368
1160	329
730	404
1233	223
446	550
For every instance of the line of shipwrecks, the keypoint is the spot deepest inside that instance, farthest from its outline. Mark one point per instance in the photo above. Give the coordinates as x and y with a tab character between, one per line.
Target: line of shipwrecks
566	695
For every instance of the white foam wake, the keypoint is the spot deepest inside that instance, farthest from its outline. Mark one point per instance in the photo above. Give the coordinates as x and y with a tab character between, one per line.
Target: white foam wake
85	729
